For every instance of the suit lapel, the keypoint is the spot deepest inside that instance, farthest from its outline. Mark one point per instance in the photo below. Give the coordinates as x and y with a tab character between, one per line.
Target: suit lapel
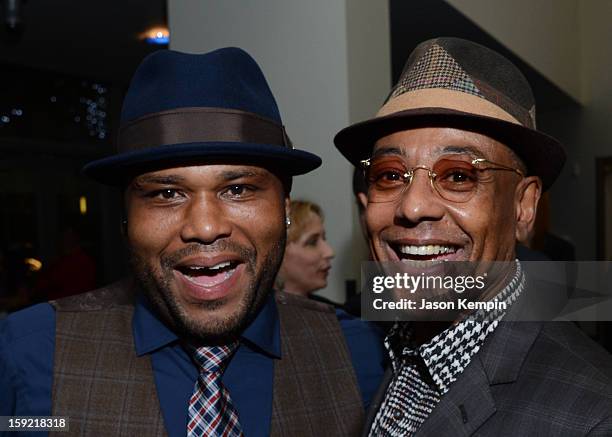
464	408
469	402
503	357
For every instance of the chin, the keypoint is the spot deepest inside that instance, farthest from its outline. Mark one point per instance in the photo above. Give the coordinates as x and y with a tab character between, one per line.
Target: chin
214	321
216	324
318	286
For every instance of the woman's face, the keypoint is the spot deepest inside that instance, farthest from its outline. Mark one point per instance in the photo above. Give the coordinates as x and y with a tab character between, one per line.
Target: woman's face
308	259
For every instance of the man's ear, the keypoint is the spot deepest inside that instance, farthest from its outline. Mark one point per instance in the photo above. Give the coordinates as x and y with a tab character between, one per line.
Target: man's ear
362	198
287	208
527	196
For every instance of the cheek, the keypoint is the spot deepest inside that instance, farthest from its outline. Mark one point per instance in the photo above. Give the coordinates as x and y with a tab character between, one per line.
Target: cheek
378	216
486	221
263	226
266	239
301	262
151	231
312	258
472	219
501	213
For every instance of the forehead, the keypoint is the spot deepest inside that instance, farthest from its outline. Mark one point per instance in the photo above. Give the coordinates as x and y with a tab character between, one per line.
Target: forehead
306	226
205	173
434	141
312	221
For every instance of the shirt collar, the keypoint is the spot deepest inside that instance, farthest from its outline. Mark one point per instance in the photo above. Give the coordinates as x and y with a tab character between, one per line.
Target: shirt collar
447	354
150	333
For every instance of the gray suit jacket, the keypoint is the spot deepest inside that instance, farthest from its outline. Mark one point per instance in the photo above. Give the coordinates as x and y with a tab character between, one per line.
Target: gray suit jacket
529	379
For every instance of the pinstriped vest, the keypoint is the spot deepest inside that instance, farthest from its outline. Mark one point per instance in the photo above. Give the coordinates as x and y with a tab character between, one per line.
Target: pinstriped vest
106	389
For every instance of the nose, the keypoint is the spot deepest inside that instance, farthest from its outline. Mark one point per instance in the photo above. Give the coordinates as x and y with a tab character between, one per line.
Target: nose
205	221
419	201
328	251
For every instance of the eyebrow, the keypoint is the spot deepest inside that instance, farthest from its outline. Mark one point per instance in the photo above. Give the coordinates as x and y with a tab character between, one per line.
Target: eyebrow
175	179
465	150
387	150
159	179
237	174
316	234
459	150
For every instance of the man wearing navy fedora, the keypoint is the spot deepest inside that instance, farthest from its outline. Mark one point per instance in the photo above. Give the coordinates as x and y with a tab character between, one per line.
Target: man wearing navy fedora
195	343
455	168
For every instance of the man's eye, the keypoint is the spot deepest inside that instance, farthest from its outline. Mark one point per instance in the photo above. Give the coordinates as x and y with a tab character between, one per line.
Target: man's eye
239	191
457	179
459	176
166	194
392	176
388	175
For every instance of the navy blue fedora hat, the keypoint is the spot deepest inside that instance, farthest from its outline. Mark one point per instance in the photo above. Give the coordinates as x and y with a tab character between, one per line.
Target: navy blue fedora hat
182	107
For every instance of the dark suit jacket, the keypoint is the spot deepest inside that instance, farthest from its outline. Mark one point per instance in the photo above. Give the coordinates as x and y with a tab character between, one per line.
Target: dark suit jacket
529	379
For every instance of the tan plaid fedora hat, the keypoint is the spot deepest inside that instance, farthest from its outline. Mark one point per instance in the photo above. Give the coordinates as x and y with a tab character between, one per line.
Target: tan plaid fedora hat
451	82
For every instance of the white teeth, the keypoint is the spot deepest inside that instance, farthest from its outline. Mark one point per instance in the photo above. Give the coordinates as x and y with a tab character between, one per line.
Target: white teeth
220	266
215	267
420	264
429	249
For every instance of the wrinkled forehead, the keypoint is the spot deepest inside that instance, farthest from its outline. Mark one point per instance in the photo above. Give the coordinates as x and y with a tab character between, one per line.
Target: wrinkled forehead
433	142
209	171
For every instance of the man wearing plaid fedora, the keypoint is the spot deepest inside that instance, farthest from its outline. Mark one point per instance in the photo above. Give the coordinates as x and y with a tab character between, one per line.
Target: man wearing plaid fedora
195	343
455	168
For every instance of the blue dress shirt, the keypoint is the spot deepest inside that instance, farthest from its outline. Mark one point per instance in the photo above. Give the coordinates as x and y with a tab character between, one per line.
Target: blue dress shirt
27	342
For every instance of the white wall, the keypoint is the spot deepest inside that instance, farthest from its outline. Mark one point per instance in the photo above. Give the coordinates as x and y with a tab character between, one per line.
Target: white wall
324	70
544	33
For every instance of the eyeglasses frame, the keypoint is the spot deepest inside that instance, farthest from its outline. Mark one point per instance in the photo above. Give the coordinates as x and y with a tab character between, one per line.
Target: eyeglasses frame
409	175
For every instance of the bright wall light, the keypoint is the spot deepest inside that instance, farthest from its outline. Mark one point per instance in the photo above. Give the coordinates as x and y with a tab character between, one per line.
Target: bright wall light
83	205
156	35
33	264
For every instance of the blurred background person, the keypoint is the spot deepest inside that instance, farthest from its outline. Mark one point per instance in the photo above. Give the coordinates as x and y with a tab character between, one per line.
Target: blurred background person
308	255
72	272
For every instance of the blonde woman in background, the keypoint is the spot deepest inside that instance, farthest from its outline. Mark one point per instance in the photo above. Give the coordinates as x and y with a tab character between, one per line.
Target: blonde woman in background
308	255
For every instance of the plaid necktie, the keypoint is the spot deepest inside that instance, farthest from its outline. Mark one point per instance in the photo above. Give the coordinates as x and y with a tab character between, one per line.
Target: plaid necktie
211	412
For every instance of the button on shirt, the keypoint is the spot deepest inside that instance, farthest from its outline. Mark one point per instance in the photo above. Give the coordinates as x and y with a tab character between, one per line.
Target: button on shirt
27	341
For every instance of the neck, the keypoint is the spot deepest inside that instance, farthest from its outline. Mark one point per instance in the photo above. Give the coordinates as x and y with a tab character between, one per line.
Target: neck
296	292
503	273
425	331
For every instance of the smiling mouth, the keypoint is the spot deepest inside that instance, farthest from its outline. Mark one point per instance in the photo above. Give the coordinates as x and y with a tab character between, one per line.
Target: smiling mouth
411	253
208	276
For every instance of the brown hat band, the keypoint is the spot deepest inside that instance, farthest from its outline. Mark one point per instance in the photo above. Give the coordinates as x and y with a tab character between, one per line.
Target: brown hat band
444	98
200	125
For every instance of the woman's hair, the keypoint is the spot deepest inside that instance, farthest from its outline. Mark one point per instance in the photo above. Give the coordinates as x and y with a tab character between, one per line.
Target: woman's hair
300	210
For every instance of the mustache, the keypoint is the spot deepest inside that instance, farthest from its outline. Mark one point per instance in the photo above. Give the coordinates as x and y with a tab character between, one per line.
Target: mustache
426	230
170	260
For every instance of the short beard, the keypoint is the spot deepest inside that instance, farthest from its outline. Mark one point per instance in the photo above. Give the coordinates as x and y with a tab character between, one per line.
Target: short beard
156	285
